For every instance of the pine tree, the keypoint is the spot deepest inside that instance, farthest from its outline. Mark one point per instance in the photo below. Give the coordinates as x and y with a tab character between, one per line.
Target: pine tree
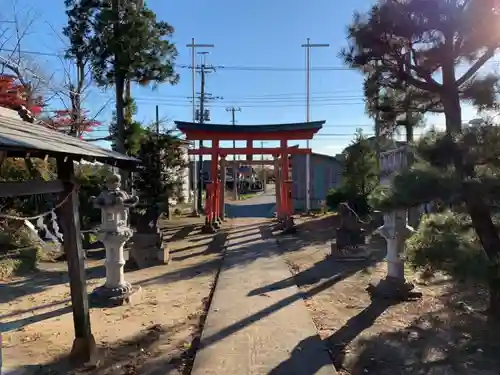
457	167
359	177
123	42
360	173
161	174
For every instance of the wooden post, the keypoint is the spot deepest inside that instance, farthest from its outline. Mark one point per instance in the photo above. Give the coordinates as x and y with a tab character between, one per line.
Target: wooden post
84	346
223	188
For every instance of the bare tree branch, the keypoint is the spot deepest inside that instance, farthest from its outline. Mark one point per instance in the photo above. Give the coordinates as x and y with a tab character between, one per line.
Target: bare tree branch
11	39
476	66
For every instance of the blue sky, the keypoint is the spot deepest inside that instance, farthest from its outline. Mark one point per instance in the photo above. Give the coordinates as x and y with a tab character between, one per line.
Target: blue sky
264	33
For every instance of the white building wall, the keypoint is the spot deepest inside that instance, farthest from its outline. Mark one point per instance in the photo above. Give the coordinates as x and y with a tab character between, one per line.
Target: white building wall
186	188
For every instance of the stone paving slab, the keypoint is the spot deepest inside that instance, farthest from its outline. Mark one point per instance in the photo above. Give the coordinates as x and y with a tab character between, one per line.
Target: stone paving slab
253	333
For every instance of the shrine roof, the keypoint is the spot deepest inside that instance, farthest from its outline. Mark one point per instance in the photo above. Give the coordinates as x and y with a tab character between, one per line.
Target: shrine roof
225	128
20	138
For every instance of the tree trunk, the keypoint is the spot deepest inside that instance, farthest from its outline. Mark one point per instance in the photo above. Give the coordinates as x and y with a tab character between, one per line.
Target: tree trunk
477	208
494	290
120	115
413	212
490	241
120	126
409	131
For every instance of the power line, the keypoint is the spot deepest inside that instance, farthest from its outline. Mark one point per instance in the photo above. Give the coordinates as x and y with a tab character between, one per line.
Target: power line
180	104
225	67
284	95
263	100
270	105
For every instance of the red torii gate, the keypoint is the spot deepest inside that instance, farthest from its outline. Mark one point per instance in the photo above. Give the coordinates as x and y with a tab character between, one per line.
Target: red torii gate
282	133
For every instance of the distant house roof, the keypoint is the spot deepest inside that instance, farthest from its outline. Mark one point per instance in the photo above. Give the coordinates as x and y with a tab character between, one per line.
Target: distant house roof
19	138
192	126
330	157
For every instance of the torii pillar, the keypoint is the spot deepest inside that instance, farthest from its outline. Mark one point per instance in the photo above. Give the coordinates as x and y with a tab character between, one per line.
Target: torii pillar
286	190
222	189
277	179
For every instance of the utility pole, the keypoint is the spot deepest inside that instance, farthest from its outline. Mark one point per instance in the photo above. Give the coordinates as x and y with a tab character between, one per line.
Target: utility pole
195	176
203	116
308	47
233	111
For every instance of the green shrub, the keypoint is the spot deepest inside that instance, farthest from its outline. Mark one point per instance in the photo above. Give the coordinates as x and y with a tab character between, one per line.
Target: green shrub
18	253
91	180
335	197
446	242
358	203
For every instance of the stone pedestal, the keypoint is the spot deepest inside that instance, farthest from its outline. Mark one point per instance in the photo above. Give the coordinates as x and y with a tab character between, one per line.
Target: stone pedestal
208	227
357	253
289	225
147	250
115	291
395	231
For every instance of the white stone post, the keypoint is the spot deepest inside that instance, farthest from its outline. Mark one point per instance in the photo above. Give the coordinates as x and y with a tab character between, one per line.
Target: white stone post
114	233
395	231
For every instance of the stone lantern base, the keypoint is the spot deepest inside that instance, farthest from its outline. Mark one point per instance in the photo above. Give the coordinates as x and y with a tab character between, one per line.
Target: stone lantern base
104	296
393	289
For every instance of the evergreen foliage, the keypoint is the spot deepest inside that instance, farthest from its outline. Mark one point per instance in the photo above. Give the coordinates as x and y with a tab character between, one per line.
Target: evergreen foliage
359	177
418	45
161	174
122	44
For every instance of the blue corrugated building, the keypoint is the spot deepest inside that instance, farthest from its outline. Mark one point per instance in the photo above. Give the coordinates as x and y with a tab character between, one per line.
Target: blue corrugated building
326	173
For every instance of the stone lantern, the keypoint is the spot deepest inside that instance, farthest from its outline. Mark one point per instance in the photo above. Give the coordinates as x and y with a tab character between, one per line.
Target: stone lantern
114	233
395	231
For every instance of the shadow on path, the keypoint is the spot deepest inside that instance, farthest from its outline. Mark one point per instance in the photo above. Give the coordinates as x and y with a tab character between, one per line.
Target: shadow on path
302	357
235	327
262	210
20	323
345	335
42	280
180	234
324	269
218	241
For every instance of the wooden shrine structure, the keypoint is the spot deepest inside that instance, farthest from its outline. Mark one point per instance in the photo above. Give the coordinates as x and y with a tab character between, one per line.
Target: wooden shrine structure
27	140
283	133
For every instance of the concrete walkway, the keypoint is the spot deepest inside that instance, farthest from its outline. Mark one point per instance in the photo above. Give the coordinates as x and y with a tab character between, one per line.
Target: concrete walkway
262	205
247	333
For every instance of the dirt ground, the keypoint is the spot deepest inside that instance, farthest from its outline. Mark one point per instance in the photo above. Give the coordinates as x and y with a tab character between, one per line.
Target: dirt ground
439	334
160	331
